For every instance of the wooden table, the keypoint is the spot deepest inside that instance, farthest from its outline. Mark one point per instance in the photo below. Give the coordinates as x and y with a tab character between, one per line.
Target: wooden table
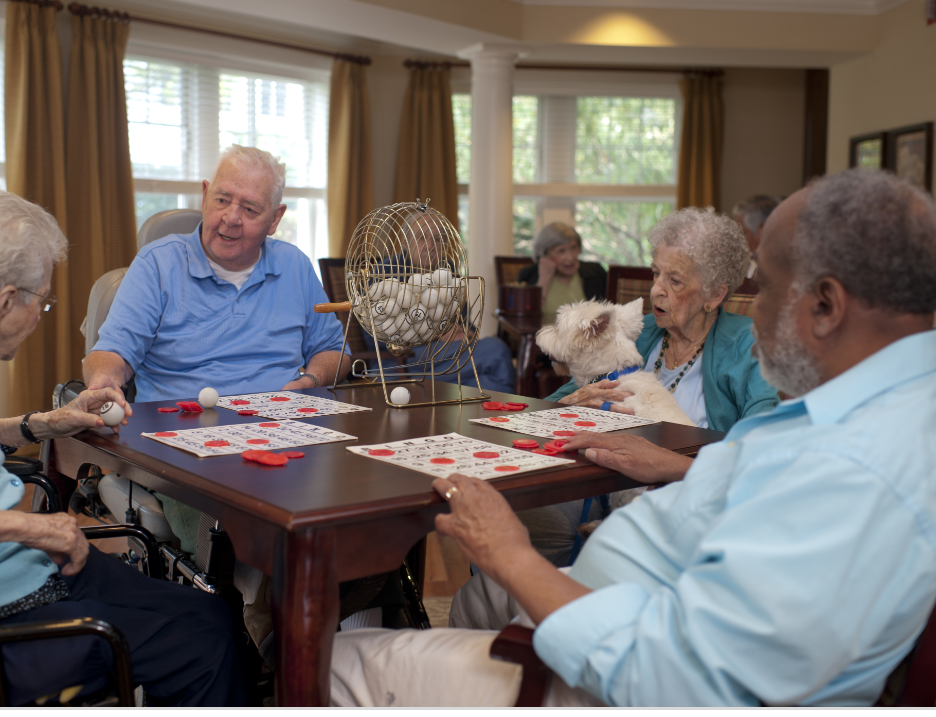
331	516
524	328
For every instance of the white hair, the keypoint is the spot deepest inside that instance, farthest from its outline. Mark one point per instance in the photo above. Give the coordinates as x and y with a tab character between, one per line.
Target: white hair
714	243
253	158
31	244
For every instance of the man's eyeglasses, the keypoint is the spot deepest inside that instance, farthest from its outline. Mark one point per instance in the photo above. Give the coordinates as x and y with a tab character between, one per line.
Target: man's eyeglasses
47	301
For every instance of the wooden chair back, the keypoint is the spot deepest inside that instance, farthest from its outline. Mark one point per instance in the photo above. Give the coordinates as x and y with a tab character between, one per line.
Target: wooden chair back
333	281
626	283
507	268
739	304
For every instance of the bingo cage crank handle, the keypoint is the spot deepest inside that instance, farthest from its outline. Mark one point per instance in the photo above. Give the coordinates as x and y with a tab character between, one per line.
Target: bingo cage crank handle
332	308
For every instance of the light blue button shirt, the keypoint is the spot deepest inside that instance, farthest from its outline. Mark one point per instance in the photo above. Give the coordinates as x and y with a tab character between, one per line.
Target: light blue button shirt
795	564
181	328
22	570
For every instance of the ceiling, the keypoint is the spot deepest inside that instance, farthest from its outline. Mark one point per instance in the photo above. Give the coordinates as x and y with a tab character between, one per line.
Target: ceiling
848	7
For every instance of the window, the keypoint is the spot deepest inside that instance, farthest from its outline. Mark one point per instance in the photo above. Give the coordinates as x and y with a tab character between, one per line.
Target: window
604	163
181	115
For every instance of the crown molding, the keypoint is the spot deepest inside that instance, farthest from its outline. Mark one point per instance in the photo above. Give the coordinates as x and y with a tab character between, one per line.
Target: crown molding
841	7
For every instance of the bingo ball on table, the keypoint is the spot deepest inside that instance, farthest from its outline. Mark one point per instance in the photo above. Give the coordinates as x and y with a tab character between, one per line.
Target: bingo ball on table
208	397
112	413
400	396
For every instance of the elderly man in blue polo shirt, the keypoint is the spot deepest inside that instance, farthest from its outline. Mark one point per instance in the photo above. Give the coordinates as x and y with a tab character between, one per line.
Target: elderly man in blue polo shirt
794	563
226	306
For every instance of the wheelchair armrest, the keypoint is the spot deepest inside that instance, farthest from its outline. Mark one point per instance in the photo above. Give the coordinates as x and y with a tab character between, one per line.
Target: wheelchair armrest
154	564
53	497
515	644
50	629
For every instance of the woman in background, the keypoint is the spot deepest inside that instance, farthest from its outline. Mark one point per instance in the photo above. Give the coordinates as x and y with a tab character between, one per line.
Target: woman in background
559	273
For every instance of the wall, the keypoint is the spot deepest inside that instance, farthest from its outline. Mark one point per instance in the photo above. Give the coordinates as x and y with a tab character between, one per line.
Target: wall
386	82
891	87
764	114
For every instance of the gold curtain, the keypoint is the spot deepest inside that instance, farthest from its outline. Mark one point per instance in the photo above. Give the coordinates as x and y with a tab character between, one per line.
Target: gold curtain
350	174
700	152
101	216
426	151
35	150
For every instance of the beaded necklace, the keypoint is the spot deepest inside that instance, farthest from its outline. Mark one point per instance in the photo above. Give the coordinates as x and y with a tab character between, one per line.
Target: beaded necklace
659	362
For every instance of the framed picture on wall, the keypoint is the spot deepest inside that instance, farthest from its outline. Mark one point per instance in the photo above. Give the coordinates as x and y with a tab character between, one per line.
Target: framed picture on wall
909	154
868	151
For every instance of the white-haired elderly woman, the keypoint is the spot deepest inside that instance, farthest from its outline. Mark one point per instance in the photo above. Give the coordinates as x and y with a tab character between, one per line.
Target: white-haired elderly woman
181	644
559	273
700	352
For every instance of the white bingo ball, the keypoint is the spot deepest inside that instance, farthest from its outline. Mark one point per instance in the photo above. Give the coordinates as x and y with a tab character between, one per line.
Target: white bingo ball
207	397
112	413
399	396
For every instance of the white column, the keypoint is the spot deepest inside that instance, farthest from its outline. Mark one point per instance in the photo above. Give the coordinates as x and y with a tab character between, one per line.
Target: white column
490	193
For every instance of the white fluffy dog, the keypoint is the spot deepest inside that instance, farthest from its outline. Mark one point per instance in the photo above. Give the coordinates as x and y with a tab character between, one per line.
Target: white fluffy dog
594	338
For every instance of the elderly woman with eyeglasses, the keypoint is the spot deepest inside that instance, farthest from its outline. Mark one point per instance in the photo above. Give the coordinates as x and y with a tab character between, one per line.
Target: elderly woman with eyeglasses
181	644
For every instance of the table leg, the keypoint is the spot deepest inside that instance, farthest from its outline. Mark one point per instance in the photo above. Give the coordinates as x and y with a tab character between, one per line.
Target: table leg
305	616
526	366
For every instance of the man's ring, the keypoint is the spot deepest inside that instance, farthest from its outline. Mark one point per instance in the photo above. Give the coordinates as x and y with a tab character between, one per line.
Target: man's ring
450	492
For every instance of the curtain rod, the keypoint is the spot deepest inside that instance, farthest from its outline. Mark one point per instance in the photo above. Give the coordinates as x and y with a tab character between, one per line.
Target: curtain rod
77	9
590	68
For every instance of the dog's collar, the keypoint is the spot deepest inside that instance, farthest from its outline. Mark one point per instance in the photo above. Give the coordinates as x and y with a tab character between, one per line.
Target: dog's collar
614	375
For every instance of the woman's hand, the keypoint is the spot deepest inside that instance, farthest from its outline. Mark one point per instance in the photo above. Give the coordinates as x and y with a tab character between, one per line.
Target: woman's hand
632	456
80	414
55	533
596	394
547	269
482	523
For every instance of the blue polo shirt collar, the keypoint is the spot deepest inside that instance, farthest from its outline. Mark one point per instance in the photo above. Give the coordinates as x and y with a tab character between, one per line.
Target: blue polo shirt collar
199	268
901	361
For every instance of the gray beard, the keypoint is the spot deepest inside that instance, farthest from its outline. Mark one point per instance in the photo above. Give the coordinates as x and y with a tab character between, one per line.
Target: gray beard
789	367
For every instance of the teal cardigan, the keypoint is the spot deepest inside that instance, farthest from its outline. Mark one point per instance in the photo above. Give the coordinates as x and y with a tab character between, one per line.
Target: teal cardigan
731	379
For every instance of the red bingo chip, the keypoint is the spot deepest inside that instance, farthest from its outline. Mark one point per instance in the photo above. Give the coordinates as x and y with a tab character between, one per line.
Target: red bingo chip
545	451
189	406
269	425
168	409
292	454
217	444
380	452
500	419
442	461
239	403
525	443
279	398
493	406
247	412
256	441
563	433
506	469
556	446
307	410
585	423
516	406
265	457
558	442
166	434
568	415
486	454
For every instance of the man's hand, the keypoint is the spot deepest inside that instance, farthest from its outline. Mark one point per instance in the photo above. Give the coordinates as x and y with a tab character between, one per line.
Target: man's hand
55	533
483	525
632	456
492	537
301	382
595	394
